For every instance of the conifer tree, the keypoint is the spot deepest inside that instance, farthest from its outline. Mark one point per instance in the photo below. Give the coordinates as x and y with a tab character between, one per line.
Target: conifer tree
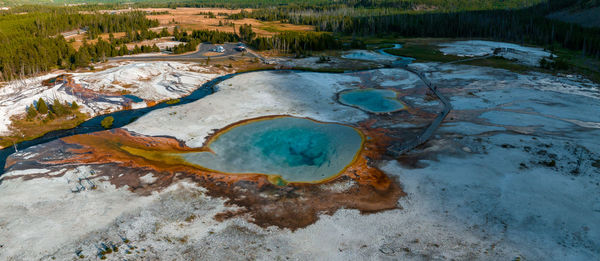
31	112
58	108
41	106
164	32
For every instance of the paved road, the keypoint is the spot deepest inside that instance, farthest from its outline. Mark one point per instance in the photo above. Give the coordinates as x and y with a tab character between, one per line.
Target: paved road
198	55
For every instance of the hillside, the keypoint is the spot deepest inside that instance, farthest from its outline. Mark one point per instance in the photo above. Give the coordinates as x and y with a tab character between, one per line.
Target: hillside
584	13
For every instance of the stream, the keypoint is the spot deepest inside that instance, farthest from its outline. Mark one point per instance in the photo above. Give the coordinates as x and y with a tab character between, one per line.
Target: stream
122	118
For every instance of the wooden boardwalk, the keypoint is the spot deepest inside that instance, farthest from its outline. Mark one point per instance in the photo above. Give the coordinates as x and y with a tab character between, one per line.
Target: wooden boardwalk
399	149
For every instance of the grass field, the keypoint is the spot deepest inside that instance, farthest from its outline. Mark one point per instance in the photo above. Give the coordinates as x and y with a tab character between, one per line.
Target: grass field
78	39
499	62
195	19
423	53
192	19
587	66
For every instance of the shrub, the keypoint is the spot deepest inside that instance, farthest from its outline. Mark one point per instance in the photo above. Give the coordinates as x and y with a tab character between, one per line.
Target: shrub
107	122
173	101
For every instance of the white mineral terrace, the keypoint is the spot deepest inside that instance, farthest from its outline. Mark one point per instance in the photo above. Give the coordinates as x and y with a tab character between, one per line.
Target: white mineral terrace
513	172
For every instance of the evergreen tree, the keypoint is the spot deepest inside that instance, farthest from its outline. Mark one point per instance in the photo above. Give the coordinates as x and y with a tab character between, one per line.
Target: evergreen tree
82	57
58	108
123	50
164	32
31	112
246	33
32	43
41	106
176	35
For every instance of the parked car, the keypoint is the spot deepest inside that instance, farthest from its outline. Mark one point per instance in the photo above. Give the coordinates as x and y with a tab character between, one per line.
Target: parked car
220	49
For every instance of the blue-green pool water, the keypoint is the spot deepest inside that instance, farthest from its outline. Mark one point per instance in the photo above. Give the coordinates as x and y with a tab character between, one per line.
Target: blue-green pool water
372	100
296	149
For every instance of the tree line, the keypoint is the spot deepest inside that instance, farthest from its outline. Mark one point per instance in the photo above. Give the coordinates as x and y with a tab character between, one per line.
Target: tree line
213	36
137	36
297	42
108	23
32	43
527	25
290	42
98	52
408	4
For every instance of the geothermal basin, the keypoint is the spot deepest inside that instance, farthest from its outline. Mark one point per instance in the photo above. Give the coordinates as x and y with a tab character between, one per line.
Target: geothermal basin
289	148
372	100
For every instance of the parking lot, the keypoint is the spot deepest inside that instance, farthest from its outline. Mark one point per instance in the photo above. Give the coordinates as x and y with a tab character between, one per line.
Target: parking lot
201	53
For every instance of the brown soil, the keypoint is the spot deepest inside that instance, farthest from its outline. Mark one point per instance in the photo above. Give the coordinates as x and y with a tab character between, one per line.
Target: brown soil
212	54
261	202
